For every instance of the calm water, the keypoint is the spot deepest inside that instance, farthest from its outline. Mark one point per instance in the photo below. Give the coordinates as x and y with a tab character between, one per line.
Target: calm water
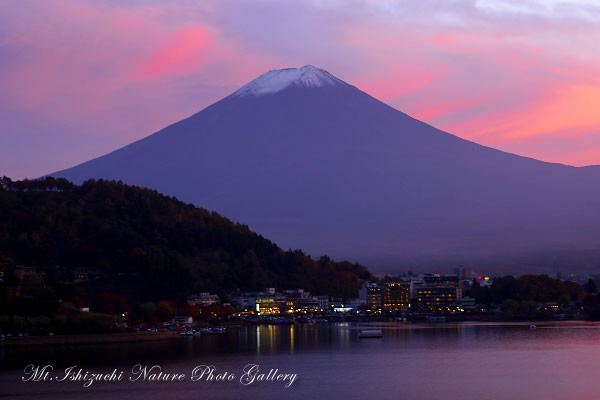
412	361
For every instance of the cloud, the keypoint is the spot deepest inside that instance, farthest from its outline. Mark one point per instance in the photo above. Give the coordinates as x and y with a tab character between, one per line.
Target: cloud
586	10
521	76
182	54
501	77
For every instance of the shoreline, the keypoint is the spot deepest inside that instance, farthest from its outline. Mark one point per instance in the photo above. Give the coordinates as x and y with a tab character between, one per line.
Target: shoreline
86	339
131	337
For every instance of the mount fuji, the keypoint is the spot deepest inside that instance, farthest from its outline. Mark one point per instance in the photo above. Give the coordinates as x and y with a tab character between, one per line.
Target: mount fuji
312	162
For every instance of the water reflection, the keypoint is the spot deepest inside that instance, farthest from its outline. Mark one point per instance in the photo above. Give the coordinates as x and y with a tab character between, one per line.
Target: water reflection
453	361
291	339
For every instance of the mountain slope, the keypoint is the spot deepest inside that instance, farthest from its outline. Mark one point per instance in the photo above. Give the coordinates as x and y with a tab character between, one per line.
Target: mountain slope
168	249
310	161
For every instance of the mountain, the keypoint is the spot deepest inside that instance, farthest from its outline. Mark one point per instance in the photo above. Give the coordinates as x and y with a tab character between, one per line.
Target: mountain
150	246
311	161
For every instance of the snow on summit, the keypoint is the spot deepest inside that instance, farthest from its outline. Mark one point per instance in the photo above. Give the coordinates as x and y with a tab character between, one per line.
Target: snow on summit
277	80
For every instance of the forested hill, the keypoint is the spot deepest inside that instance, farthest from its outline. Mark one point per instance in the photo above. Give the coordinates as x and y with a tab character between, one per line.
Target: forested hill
167	248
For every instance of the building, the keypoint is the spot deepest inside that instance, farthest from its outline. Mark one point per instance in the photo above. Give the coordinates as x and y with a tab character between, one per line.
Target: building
389	297
463	273
354	303
323	302
305	305
467	303
415	282
294	301
336	302
437	293
485	281
245	302
364	288
374	298
271	302
395	297
203	299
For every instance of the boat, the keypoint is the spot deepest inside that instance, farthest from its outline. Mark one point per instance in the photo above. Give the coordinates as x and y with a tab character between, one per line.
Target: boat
214	331
532	326
370	333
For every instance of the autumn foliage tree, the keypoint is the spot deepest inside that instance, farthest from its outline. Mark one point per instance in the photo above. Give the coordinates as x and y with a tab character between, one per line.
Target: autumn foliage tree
150	245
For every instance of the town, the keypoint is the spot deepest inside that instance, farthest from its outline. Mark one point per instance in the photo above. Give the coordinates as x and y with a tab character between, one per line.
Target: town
35	301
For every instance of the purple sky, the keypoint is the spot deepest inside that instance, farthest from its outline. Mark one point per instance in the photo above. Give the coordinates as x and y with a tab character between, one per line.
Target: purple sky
79	79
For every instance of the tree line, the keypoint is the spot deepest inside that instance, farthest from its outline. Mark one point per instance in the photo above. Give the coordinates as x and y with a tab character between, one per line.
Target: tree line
149	246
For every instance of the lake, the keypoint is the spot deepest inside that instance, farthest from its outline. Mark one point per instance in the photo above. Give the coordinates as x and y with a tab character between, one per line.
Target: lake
411	361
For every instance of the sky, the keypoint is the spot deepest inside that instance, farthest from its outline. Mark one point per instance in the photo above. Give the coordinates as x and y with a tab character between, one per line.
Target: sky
80	78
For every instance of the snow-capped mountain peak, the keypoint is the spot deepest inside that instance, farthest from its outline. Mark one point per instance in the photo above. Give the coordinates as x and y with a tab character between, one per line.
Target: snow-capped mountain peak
277	80
322	166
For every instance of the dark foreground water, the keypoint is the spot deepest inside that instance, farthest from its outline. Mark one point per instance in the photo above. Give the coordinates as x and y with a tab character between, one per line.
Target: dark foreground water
412	361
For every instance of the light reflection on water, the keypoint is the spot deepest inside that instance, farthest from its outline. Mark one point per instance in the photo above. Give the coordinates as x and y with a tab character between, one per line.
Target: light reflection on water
412	361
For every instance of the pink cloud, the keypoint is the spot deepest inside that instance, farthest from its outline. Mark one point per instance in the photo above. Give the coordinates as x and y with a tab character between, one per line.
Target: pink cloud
491	87
183	53
84	62
570	111
394	83
118	71
581	158
82	79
